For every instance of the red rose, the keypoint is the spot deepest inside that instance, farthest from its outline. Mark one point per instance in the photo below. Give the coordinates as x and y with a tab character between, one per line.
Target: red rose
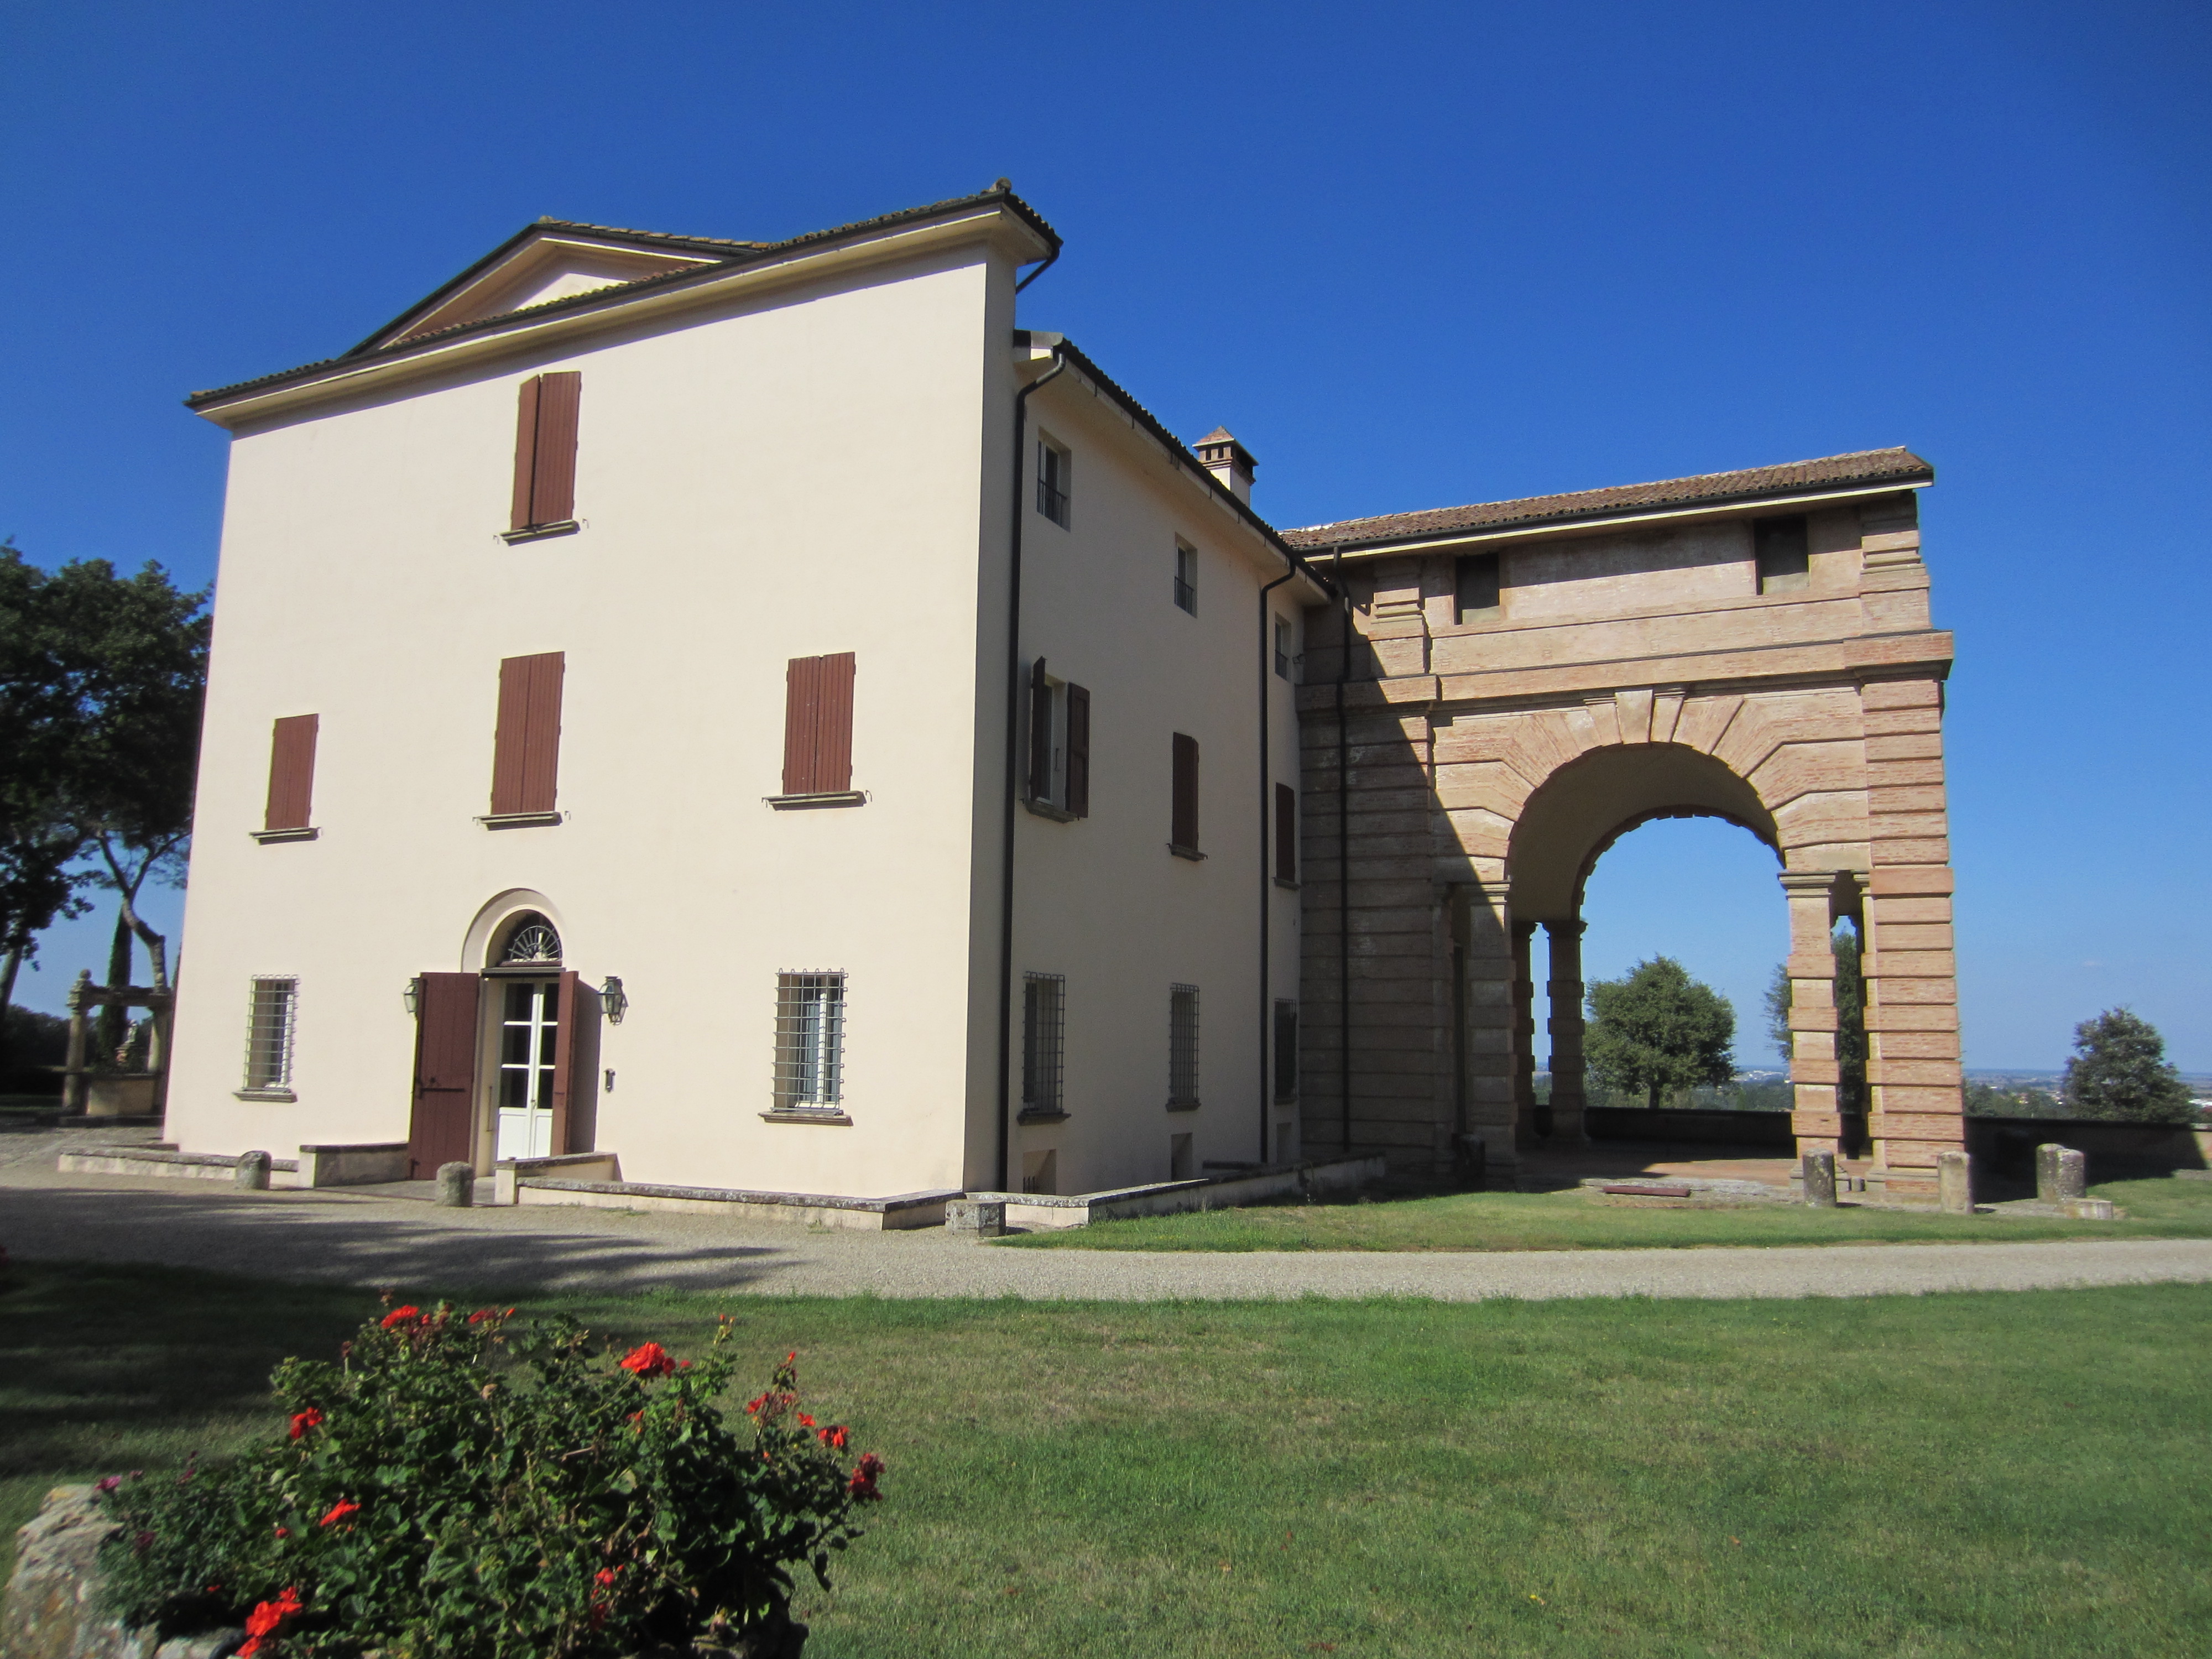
267	1618
805	1421
400	1316
302	1421
648	1361
833	1437
863	1483
339	1511
606	1575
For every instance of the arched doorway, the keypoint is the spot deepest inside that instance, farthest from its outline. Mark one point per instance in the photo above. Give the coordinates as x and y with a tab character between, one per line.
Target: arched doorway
505	1051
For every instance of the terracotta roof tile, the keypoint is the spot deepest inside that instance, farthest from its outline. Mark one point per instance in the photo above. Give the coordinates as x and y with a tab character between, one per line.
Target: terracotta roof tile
1868	466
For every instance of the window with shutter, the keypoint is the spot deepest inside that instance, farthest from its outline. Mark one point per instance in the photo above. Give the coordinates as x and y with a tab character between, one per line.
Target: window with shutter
1042	735
1286	835
545	455
1079	751
527	746
291	780
817	731
1182	837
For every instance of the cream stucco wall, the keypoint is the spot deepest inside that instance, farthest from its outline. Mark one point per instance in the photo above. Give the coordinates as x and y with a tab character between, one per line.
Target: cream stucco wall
793	475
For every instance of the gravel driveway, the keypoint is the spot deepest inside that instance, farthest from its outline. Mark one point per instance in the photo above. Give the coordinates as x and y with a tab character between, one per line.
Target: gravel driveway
351	1237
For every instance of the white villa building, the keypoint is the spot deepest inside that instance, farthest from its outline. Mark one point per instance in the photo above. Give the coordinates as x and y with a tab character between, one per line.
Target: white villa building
747	717
663	705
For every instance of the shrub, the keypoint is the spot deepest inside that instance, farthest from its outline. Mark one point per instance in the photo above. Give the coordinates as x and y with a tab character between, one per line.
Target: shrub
466	1488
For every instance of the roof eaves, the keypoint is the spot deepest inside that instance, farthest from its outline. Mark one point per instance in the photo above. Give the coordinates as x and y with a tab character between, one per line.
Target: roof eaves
758	252
1177	450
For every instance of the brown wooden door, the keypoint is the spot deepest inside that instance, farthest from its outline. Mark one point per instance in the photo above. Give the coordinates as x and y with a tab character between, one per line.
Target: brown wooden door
446	1042
575	1067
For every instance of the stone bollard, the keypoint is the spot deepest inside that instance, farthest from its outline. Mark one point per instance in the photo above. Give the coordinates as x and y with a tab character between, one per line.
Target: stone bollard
251	1172
1819	1180
2073	1184
1955	1183
457	1186
986	1217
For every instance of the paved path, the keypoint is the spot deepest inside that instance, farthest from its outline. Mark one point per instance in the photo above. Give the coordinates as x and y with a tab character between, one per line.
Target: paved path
356	1239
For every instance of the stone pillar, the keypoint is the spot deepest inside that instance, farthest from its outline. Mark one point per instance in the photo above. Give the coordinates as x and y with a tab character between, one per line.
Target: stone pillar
1815	1118
1954	1182
251	1172
457	1185
1915	1109
1524	1033
2061	1173
73	1073
1819	1169
1564	990
1492	1108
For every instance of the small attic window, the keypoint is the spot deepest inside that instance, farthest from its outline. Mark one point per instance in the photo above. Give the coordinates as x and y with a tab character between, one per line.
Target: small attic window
1781	546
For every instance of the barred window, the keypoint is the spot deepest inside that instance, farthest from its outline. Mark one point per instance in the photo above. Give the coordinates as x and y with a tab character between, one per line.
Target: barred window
810	1041
1186	577
268	1031
1043	1016
1183	1045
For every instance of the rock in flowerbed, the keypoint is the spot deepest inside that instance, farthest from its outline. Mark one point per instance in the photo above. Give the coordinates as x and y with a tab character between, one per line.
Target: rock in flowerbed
461	1488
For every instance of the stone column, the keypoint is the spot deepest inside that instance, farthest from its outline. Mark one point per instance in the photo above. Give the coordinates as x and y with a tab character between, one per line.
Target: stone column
1564	989
73	1073
1815	1117
1524	1032
1915	1109
1492	1107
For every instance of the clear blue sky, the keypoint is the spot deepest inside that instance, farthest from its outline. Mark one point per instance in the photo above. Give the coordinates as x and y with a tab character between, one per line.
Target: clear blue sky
1414	255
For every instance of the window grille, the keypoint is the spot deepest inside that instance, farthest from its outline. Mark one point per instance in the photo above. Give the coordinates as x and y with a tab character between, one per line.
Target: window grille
531	939
1044	999
1286	1051
270	1020
810	1041
1183	1045
1055	476
1186	578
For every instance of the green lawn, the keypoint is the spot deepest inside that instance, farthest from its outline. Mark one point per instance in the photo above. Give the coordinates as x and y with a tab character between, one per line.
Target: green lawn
2004	1474
1578	1219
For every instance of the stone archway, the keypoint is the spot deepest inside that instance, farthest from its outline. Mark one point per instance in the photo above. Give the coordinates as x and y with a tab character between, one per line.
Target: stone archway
1492	706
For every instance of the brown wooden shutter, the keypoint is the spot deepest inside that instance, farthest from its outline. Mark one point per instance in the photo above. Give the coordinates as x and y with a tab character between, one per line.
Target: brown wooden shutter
526	747
1286	833
525	454
553	483
1079	751
441	1130
818	724
1185	830
545	450
564	1058
1040	732
292	772
576	1067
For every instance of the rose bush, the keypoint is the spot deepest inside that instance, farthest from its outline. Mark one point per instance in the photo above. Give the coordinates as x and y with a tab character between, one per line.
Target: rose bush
469	1488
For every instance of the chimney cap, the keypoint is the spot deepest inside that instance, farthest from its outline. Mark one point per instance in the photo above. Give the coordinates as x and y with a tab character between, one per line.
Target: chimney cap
1220	444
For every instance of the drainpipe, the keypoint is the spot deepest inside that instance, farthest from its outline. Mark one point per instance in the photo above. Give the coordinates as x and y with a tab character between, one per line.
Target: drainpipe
1013	755
1343	854
1266	867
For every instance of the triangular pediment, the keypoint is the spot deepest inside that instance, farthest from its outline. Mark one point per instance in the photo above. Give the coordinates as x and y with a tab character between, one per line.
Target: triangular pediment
551	260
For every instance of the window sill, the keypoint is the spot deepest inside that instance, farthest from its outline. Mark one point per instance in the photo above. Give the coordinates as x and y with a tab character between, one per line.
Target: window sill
539	533
521	820
1045	808
831	797
1183	852
264	1094
1030	1115
834	1117
1182	1105
1286	883
299	832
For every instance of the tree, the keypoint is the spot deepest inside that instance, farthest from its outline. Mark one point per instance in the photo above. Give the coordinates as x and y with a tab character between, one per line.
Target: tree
101	682
2119	1069
1850	1018
1658	1030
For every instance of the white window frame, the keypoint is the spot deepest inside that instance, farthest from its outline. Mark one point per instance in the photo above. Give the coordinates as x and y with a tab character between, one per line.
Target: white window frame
1056	482
272	1024
1186	577
810	1041
1283	655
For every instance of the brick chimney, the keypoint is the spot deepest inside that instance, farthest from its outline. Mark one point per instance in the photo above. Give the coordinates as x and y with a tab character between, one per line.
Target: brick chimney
1228	460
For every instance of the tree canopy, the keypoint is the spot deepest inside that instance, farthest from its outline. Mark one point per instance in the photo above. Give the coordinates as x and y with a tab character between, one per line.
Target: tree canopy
2119	1069
101	683
1658	1030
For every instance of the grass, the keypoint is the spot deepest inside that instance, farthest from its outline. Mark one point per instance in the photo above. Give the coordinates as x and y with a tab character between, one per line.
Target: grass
1579	1219
2001	1474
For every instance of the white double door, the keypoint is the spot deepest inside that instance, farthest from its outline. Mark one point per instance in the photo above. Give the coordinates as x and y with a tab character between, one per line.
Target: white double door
529	1035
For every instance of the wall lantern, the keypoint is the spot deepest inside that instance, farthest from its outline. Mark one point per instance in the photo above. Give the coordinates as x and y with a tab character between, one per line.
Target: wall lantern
412	996
614	999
